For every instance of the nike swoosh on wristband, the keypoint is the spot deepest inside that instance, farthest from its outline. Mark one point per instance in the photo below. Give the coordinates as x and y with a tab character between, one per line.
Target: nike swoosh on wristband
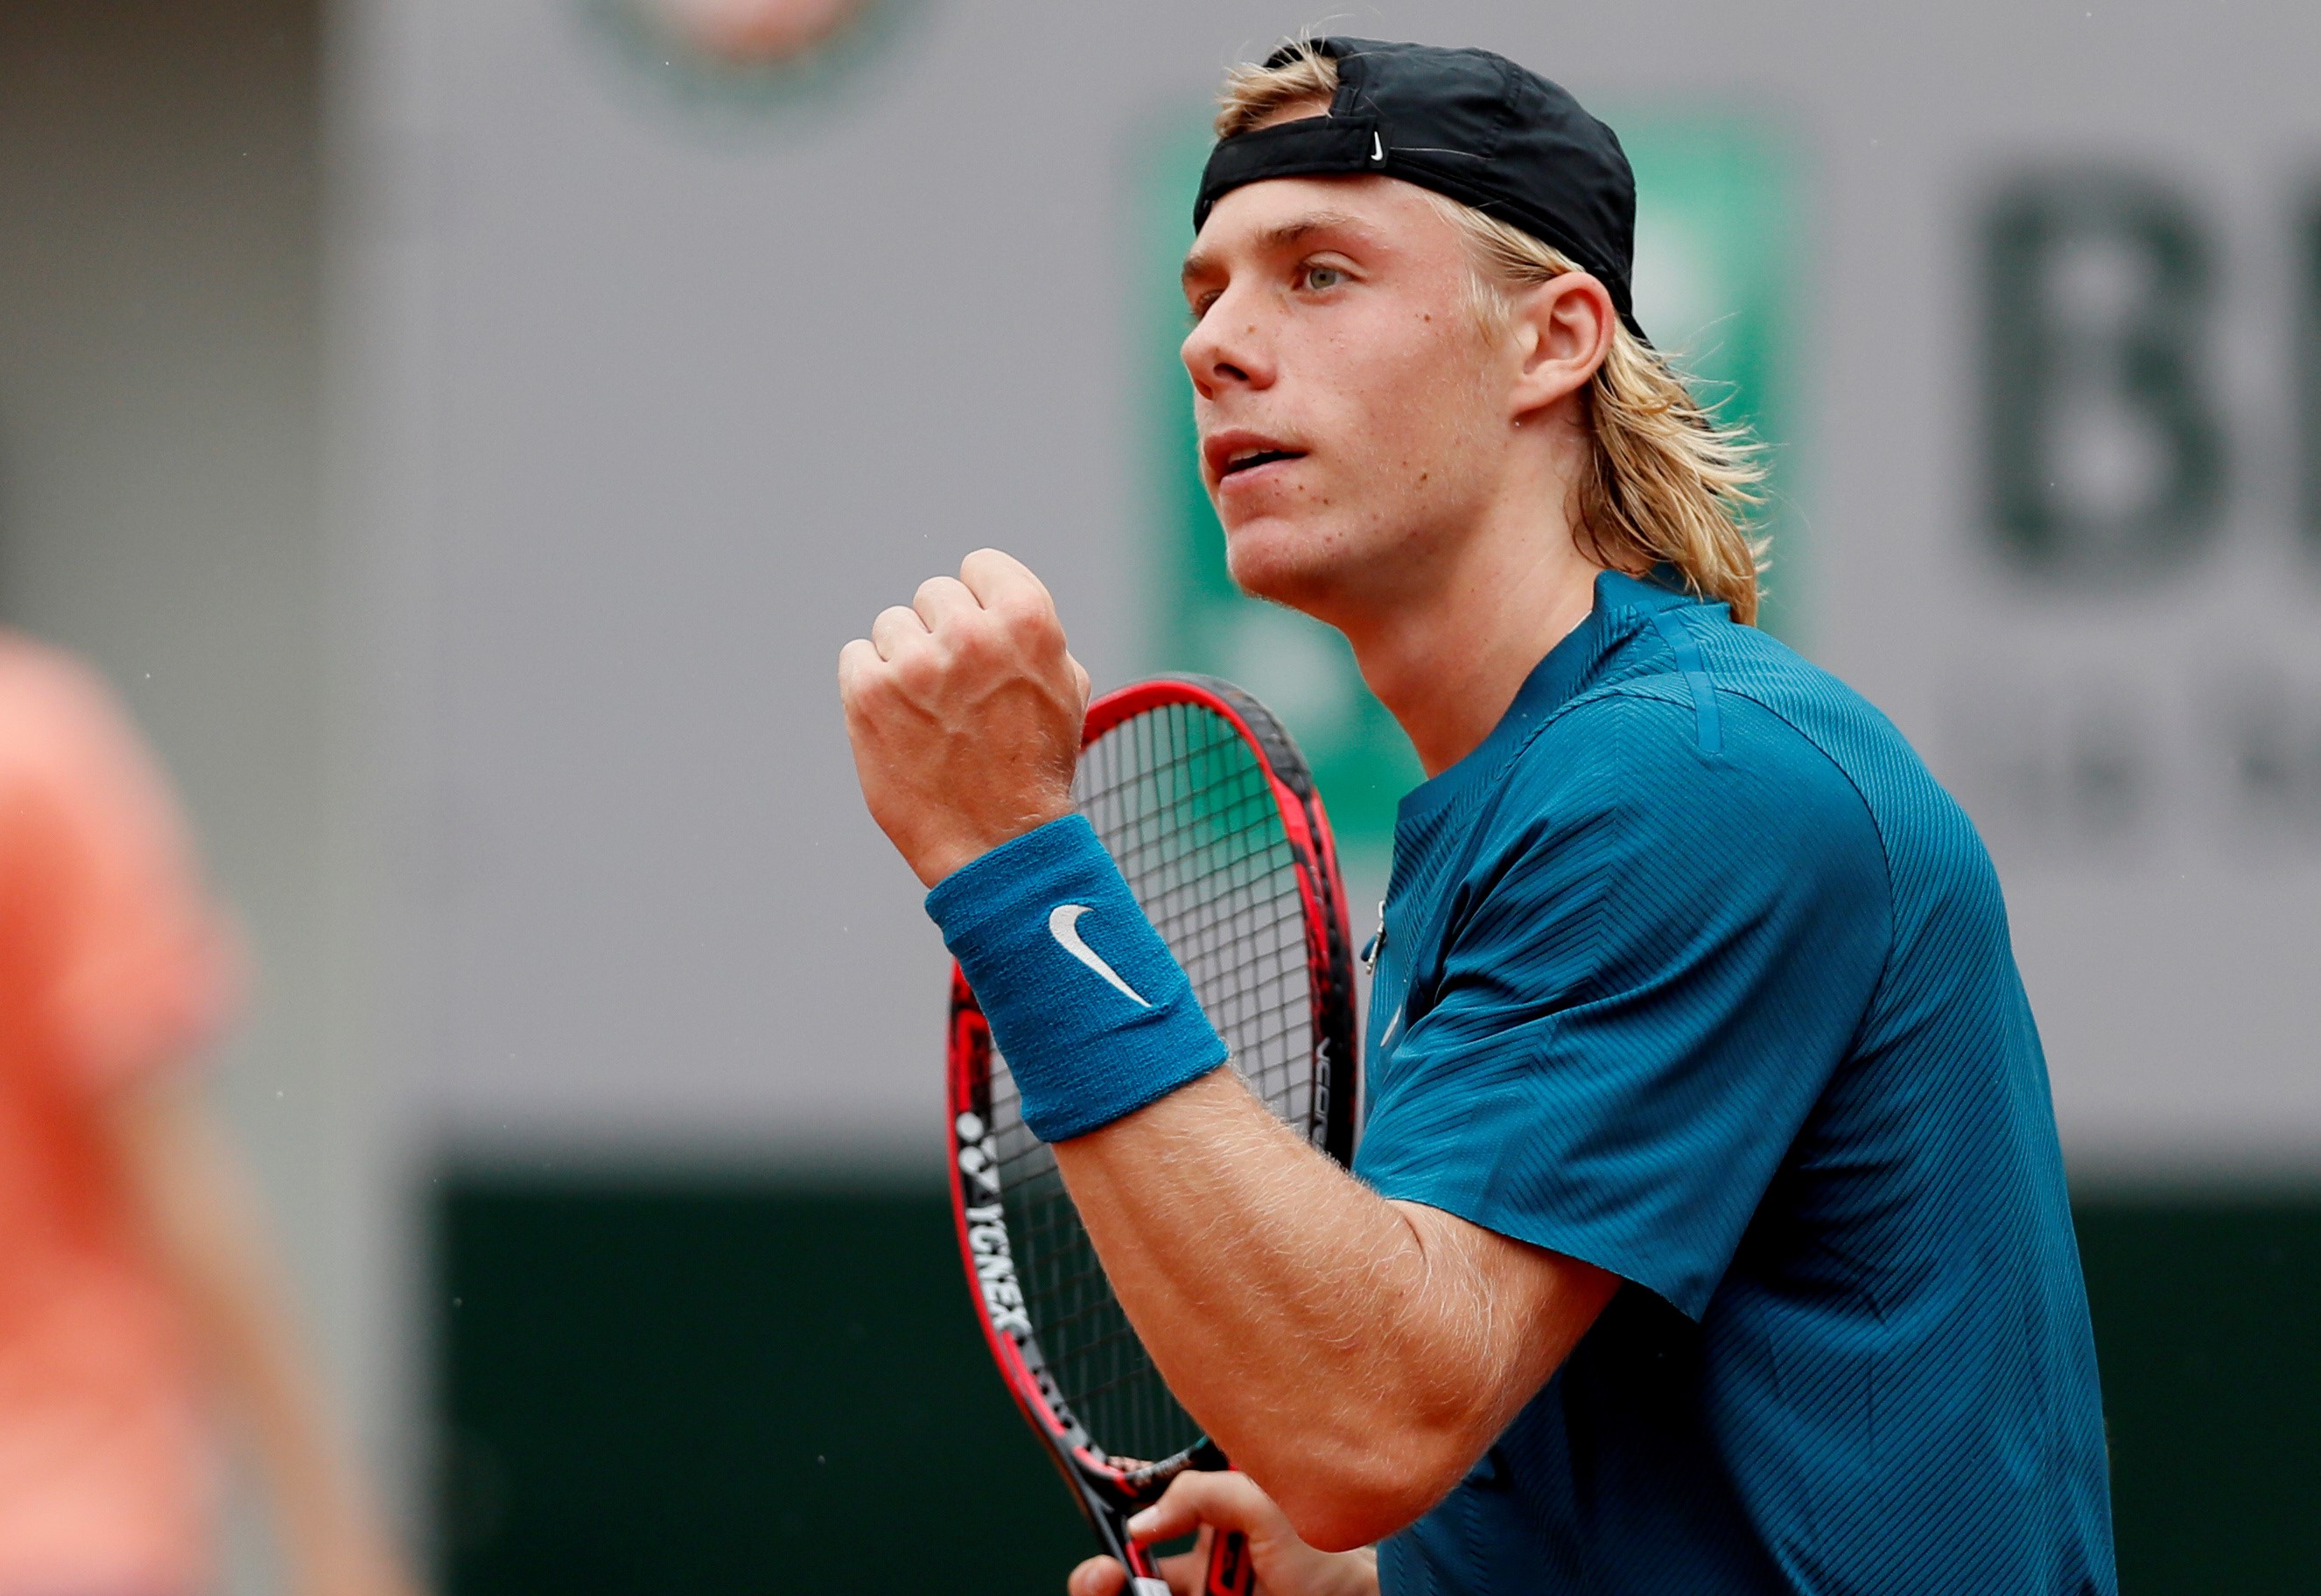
1063	925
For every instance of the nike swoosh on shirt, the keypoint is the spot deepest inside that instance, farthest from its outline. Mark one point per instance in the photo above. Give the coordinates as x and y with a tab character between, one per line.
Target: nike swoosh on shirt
1063	925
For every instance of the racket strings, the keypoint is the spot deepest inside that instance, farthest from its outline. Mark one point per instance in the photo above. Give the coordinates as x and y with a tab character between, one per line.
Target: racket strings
1191	819
1187	810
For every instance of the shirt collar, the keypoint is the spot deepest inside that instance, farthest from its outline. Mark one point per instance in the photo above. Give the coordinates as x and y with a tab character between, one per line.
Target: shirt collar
1621	604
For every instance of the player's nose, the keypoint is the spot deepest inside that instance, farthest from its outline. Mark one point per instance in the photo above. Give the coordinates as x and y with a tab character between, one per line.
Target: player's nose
1228	348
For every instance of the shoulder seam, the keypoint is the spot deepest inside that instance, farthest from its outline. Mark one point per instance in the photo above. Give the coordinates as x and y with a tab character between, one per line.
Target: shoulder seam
1877	828
1706	731
1627	688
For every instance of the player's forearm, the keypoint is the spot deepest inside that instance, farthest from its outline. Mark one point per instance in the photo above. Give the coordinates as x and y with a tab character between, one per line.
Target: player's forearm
1342	1349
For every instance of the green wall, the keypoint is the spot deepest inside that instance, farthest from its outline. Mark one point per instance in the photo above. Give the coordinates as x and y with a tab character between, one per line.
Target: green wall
719	1386
725	1388
2208	1315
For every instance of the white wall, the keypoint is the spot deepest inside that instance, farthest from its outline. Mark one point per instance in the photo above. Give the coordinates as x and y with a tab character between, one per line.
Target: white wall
693	388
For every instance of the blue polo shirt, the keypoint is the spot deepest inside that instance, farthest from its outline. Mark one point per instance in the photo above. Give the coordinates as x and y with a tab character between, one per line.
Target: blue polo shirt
1693	972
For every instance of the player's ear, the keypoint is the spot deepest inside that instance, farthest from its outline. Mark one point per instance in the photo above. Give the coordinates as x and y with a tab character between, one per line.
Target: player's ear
1563	331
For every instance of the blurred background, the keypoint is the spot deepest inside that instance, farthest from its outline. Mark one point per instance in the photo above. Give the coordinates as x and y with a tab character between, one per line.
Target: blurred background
465	433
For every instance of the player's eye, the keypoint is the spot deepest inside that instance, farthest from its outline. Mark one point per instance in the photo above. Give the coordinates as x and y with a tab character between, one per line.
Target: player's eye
1321	279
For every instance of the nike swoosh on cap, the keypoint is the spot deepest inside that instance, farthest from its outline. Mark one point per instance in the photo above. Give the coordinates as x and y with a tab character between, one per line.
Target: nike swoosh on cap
1063	925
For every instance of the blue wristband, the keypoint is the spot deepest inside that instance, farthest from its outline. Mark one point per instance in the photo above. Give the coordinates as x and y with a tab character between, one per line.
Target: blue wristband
1091	1009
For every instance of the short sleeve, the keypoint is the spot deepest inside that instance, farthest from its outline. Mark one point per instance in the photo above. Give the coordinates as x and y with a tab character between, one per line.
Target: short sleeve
123	966
1657	960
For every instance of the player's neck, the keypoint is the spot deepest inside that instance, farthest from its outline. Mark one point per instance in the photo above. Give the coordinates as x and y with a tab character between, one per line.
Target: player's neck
1449	657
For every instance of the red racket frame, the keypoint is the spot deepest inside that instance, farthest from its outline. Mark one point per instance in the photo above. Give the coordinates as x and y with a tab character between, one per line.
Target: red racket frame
1107	1493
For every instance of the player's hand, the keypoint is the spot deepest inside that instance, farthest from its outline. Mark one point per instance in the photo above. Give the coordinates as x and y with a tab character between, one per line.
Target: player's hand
1215	1503
965	712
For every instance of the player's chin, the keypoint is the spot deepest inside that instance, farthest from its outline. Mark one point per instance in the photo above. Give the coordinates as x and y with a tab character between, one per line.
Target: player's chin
1288	562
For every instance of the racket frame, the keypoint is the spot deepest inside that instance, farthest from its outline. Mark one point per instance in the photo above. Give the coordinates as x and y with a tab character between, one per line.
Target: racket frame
1106	1493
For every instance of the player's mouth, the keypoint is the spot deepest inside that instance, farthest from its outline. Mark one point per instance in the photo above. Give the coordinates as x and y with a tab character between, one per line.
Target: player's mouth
1232	455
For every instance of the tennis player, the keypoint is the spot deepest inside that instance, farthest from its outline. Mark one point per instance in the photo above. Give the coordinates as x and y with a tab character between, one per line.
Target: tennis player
1709	1231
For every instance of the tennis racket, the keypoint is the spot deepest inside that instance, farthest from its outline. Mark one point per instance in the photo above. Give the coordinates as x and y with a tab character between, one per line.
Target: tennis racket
1211	813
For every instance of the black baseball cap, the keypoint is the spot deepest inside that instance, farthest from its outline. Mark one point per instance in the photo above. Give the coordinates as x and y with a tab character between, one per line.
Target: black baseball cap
1463	123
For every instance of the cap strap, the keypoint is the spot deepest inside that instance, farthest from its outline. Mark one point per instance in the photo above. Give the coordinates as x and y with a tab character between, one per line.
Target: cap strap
1304	146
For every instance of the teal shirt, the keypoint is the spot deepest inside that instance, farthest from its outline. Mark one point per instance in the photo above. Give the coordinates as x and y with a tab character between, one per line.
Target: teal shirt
1693	972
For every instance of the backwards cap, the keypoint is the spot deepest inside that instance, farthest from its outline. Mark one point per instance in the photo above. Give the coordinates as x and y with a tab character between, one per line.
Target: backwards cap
1466	123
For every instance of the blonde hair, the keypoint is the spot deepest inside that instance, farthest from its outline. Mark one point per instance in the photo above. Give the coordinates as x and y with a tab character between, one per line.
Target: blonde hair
1668	482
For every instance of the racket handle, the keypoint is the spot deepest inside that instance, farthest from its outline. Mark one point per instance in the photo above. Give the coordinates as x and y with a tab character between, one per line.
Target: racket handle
1143	1579
1229	1574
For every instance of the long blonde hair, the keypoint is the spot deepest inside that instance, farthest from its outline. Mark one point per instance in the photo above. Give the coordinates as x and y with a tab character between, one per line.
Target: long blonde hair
1667	483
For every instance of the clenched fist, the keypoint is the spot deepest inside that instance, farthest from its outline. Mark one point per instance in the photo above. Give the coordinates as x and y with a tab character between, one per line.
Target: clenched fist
965	712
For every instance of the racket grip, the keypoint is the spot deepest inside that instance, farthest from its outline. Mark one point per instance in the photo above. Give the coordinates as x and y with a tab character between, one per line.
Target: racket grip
1229	1574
